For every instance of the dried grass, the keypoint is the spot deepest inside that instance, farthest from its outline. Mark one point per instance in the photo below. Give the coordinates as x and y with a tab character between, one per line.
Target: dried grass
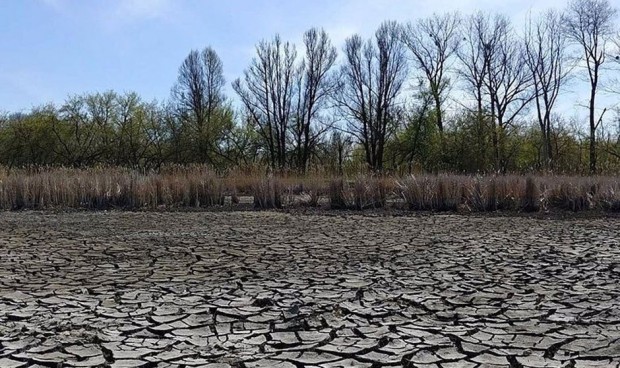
369	192
267	193
102	189
199	187
530	202
432	193
337	194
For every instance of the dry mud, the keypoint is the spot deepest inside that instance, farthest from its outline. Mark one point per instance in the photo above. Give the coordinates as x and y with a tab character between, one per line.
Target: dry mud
264	289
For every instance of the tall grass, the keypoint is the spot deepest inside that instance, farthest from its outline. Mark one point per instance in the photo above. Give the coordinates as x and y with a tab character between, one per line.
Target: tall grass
109	188
509	193
267	193
199	187
337	194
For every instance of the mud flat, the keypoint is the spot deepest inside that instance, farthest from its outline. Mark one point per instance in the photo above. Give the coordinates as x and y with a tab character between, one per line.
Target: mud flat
265	289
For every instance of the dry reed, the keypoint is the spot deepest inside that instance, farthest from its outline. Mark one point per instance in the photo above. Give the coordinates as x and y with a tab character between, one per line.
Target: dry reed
199	187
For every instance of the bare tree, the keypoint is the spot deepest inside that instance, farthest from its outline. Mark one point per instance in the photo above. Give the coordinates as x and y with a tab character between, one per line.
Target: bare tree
590	25
494	68
338	150
200	102
508	83
433	42
372	78
474	58
267	94
314	87
545	46
509	86
614	86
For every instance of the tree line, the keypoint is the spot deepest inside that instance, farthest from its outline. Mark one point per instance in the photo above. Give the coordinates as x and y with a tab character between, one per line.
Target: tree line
449	92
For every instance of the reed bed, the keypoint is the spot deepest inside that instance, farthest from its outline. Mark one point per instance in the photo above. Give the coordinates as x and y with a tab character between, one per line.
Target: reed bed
199	187
108	189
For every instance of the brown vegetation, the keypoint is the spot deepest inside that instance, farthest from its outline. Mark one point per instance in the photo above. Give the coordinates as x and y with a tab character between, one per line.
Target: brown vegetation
199	187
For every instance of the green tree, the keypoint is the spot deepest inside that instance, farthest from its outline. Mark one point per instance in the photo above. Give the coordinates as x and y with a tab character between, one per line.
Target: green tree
84	131
416	143
138	132
26	139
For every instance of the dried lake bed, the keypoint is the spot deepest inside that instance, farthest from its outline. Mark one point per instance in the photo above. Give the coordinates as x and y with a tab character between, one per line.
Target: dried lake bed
273	289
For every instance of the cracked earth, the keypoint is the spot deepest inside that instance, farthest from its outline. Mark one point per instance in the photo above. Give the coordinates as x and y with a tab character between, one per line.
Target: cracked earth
265	289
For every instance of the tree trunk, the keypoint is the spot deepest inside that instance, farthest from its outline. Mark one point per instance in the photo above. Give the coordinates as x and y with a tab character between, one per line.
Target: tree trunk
592	133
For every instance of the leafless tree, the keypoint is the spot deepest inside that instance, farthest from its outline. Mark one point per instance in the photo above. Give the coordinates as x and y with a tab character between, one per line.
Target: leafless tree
493	66
472	58
611	138
545	47
433	42
315	84
614	54
200	101
590	25
338	150
508	83
267	93
474	61
372	78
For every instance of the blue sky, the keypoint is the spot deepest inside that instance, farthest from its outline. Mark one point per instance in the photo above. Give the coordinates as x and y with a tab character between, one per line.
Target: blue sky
50	49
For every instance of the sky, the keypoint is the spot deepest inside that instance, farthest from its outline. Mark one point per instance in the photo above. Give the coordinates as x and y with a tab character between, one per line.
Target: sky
51	49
